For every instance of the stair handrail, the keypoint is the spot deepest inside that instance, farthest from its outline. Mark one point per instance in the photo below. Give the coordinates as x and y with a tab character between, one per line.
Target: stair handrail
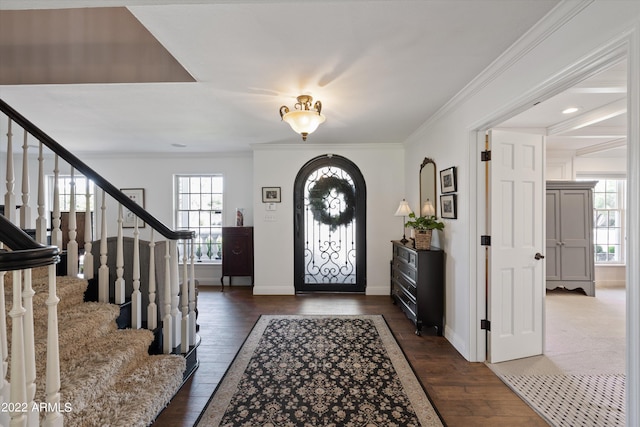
25	252
89	173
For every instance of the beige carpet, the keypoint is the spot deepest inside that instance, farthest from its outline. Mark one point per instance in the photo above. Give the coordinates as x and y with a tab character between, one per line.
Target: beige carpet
580	378
320	371
107	377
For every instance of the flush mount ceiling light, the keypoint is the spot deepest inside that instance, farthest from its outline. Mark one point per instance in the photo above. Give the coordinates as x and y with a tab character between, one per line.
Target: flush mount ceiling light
570	110
304	119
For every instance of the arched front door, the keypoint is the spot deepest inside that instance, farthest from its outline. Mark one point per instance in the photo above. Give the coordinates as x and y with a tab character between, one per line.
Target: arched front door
330	226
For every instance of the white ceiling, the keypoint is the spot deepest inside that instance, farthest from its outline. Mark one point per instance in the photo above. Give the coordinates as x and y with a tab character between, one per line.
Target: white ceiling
598	128
380	68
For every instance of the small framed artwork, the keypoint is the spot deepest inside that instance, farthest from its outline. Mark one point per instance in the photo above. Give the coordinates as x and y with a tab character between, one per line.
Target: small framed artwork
448	206
128	217
271	195
448	182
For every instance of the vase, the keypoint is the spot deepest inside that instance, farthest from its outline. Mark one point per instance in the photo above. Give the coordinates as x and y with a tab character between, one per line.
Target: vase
423	239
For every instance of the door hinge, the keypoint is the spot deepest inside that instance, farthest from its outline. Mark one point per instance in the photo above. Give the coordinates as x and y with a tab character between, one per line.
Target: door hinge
485	324
485	240
485	156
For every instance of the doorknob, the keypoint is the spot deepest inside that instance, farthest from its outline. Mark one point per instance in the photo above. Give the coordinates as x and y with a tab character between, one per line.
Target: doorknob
539	256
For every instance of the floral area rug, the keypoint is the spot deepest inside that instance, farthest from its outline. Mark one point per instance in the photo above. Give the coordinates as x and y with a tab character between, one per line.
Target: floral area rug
320	371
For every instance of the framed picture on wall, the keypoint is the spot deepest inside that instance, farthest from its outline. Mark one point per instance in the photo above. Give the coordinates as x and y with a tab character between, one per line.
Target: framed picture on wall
448	206
128	217
448	182
271	195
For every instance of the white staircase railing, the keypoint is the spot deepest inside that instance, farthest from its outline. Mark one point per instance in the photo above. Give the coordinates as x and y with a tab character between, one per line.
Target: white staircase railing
18	395
170	286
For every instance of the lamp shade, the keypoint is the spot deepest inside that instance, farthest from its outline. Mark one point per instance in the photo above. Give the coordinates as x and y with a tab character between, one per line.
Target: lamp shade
428	209
303	122
403	209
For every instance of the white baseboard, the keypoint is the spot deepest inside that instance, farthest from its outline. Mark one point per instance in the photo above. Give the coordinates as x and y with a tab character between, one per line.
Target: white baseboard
458	343
377	290
273	290
611	284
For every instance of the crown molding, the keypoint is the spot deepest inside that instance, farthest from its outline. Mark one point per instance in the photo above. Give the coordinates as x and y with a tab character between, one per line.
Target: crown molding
599	148
543	29
333	147
613	109
166	155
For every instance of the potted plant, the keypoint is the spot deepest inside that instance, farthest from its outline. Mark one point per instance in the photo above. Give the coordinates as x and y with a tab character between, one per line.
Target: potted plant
423	226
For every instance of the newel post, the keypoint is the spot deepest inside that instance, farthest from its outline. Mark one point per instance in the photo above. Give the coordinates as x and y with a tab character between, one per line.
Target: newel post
4	352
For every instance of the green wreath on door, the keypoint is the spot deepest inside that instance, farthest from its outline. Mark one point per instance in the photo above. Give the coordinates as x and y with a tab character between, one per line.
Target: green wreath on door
321	190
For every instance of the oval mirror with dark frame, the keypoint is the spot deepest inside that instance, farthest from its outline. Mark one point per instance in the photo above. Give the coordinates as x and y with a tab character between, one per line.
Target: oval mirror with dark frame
428	202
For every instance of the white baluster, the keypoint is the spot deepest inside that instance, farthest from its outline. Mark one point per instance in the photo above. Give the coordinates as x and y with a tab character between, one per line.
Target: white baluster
192	297
56	233
103	271
167	321
18	393
41	221
29	346
152	309
136	296
4	353
25	209
53	418
72	244
9	197
119	283
175	291
184	299
88	235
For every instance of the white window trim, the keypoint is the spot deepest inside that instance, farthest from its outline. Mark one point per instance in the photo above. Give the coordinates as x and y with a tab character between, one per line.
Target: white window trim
623	212
176	210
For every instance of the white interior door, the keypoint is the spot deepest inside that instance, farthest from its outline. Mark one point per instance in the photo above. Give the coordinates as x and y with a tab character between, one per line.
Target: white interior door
516	276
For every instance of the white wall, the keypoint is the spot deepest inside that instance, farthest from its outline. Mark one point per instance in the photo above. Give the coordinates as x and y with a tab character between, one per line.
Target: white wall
277	166
565	165
155	174
449	138
156	177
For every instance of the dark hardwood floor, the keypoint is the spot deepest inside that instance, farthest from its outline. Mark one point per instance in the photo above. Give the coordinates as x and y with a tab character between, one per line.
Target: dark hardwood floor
465	394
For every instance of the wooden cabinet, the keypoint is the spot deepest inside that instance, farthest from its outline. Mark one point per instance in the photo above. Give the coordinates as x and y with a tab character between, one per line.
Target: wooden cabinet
417	285
569	235
237	252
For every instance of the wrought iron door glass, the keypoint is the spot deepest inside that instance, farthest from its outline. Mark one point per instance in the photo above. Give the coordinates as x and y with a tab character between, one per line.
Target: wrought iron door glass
329	227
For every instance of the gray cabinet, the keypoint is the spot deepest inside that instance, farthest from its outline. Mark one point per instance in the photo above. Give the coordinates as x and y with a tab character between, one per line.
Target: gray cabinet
569	235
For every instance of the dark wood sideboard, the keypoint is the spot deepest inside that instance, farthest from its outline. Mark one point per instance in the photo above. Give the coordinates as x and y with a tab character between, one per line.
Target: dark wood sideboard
417	285
237	253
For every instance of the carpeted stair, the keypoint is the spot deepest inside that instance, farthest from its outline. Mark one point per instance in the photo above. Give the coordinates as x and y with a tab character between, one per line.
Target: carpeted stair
107	376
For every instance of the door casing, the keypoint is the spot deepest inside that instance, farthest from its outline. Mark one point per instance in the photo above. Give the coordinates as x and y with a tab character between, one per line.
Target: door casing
360	217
